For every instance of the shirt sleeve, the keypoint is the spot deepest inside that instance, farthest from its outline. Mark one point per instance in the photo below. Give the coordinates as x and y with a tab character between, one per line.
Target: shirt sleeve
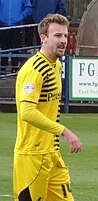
30	87
31	115
27	9
61	7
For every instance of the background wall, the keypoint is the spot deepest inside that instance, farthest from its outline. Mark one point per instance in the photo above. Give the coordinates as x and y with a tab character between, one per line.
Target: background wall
75	10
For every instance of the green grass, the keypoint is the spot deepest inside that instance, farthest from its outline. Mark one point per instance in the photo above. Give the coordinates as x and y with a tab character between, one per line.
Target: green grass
83	166
7	140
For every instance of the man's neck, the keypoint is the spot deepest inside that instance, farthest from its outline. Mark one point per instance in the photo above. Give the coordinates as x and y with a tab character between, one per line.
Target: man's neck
48	55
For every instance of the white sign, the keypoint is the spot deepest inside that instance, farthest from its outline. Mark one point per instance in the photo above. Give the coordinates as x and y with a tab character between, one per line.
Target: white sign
84	78
63	67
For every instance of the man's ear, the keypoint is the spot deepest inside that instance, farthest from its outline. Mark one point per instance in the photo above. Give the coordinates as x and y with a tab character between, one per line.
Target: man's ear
43	38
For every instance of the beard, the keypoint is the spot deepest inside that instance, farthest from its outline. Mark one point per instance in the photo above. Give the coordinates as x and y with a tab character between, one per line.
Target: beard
60	52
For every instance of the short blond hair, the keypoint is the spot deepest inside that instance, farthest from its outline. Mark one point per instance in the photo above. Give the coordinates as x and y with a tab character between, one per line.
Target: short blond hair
51	18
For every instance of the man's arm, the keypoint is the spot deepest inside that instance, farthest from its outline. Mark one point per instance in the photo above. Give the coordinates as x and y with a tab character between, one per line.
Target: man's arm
27	10
61	7
30	114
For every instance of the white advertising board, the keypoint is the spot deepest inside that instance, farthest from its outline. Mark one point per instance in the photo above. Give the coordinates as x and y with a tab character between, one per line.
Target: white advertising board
83	79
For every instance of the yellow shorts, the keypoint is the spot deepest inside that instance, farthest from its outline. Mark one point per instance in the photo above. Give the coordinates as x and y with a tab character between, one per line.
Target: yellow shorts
41	178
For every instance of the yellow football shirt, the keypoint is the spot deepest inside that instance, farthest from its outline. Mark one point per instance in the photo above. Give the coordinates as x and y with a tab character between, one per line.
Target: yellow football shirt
39	82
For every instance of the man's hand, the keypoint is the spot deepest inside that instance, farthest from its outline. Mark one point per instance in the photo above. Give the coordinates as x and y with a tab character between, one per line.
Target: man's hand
72	140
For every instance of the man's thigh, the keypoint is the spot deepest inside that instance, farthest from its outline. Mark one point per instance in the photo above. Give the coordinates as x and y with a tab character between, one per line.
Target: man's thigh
38	189
41	178
59	188
30	178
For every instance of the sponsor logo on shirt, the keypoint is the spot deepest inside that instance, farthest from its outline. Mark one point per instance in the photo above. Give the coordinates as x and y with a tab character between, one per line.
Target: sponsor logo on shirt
55	96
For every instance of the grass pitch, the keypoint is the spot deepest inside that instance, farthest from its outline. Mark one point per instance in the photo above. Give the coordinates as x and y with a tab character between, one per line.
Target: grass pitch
83	166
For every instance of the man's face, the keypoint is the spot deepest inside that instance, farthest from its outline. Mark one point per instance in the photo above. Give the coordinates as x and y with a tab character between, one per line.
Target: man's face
56	40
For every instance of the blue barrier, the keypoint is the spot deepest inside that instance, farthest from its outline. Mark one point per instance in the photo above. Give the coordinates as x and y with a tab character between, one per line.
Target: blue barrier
67	83
65	94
